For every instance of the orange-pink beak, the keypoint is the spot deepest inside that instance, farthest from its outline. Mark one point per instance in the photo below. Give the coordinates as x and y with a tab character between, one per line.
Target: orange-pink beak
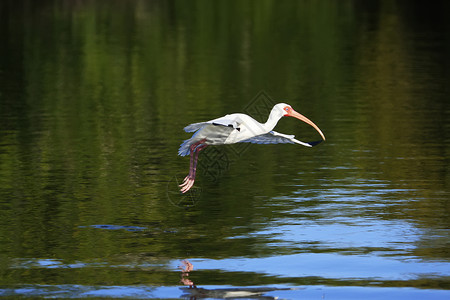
293	113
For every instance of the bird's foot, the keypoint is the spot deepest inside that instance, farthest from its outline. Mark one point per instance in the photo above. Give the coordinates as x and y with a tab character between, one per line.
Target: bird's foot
185	181
187	184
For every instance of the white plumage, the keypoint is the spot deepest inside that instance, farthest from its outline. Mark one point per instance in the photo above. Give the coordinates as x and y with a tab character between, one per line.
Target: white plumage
238	128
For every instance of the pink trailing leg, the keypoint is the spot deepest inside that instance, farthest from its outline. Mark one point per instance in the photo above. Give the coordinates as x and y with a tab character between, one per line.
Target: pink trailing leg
188	181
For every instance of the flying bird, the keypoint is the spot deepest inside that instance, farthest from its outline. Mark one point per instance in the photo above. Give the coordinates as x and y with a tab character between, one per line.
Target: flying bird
238	128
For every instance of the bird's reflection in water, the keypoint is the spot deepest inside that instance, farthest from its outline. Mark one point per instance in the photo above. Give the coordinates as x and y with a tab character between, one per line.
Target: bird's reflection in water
186	267
194	292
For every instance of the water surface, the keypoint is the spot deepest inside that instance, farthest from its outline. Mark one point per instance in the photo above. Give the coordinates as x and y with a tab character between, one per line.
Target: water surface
93	99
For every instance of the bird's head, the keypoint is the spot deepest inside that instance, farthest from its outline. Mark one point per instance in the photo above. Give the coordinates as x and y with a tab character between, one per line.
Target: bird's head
287	111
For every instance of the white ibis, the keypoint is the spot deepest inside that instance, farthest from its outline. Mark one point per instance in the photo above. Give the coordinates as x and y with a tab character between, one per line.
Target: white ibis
237	128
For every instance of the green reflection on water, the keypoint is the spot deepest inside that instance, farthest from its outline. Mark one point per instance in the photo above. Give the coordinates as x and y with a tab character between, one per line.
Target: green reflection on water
94	96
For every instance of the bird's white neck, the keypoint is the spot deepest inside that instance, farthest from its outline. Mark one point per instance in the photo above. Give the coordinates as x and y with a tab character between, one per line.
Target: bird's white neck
273	119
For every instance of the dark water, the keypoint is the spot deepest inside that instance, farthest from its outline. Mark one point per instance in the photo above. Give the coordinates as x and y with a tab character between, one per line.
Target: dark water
93	99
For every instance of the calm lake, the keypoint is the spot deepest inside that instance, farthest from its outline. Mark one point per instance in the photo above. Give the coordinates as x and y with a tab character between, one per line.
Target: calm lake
94	96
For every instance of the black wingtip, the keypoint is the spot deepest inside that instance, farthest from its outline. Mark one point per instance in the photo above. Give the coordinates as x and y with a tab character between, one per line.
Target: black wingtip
315	143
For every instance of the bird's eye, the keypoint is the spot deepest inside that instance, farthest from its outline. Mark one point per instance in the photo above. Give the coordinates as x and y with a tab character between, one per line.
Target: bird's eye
286	108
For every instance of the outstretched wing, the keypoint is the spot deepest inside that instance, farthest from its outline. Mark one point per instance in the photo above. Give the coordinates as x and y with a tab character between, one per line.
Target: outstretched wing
195	126
216	131
274	137
227	121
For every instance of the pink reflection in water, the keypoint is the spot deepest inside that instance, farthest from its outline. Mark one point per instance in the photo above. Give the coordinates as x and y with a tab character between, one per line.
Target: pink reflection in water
186	267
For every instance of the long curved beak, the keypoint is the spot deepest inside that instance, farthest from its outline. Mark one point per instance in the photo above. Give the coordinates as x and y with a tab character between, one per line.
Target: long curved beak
293	113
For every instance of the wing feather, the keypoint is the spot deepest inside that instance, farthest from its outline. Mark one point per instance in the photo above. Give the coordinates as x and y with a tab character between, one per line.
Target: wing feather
227	121
274	137
195	126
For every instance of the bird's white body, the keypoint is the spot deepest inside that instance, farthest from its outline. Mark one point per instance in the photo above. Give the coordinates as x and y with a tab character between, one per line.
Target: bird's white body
237	128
